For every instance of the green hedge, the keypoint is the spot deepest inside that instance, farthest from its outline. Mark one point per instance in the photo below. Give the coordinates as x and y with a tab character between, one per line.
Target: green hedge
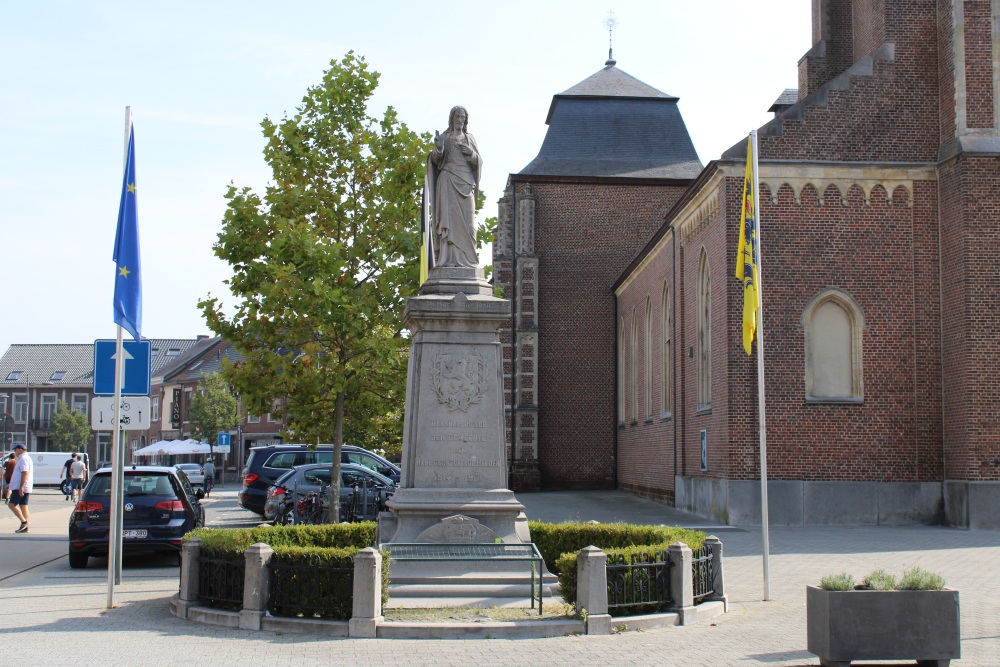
555	539
333	535
560	543
316	593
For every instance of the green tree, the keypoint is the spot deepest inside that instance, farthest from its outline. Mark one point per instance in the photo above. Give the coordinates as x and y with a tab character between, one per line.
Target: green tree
70	429
213	409
323	262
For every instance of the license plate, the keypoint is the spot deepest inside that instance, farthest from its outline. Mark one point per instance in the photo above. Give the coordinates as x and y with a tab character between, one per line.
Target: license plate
133	534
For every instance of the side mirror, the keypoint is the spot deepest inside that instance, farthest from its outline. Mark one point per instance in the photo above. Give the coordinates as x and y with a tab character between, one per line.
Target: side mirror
199	494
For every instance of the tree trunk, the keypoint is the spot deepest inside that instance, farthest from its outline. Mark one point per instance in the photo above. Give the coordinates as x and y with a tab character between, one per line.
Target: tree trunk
338	443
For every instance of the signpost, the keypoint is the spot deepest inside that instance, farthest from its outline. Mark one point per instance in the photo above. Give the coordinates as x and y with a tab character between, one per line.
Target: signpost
132	413
223	443
138	364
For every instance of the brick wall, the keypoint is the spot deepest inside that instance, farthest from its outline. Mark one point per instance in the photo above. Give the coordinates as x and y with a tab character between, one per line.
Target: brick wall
585	235
646	441
970	208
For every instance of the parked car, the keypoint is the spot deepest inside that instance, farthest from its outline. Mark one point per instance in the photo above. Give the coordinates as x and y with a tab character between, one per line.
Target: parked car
284	495
265	464
194	473
160	506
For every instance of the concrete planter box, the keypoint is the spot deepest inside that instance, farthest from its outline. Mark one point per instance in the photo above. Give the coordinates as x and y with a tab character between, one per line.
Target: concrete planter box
883	625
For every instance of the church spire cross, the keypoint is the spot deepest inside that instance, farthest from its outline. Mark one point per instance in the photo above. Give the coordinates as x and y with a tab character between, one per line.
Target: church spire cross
610	23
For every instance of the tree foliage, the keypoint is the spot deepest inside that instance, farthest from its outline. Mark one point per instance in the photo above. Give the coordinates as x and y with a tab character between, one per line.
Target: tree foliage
323	262
213	409
70	429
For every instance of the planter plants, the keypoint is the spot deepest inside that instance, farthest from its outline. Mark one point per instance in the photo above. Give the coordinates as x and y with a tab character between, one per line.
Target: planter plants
915	618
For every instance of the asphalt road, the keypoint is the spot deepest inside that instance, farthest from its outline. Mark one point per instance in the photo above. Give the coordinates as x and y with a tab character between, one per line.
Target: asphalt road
44	547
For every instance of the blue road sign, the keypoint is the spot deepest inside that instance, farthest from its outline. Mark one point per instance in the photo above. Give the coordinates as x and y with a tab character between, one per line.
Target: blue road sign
223	439
138	364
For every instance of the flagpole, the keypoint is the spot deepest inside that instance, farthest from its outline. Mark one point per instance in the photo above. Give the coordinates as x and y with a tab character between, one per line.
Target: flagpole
117	449
764	528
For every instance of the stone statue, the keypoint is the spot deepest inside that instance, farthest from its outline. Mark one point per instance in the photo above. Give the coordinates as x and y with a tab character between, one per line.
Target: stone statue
453	171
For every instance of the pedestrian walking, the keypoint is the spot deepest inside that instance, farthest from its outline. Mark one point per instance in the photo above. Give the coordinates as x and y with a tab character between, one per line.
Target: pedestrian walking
78	472
66	486
8	470
20	486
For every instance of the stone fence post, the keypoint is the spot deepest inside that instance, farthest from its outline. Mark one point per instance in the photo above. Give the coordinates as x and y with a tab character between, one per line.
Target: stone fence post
190	553
256	586
681	581
718	584
592	590
367	610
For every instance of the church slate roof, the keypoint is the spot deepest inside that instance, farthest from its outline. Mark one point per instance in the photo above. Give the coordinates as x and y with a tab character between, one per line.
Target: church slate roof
613	125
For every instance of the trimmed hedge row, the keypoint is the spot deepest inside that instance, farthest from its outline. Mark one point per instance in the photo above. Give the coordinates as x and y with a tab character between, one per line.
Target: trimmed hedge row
309	547
332	535
559	544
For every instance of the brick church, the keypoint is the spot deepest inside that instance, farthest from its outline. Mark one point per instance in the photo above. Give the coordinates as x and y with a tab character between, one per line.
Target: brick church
880	217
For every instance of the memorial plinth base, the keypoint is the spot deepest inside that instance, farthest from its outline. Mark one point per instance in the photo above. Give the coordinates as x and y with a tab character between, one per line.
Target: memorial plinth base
453	515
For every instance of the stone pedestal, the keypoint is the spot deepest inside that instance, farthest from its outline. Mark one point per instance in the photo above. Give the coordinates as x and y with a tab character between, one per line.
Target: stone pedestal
454	479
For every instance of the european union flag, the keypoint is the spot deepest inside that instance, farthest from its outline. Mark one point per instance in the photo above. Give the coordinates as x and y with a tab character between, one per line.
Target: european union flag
128	277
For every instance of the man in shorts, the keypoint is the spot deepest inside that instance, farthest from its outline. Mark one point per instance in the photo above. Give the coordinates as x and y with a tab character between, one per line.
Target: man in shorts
66	486
20	486
78	472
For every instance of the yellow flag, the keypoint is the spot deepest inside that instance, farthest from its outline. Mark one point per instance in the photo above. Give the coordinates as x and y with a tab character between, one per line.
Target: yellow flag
746	267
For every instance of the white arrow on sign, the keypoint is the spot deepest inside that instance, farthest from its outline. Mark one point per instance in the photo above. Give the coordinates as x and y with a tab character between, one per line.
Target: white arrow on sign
133	413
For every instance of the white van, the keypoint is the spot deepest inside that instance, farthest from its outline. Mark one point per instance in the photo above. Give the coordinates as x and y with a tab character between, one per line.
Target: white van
48	466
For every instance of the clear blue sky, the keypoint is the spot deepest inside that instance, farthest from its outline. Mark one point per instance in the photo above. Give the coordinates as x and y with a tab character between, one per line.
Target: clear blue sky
201	75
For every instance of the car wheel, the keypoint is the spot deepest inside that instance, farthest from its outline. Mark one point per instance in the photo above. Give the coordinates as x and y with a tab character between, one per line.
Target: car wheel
78	560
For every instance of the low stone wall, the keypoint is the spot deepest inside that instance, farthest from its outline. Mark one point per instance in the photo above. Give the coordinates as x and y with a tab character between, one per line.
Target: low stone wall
592	591
366	610
818	503
367	619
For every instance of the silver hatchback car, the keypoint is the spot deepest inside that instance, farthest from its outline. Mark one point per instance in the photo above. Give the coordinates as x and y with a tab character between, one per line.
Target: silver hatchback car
361	489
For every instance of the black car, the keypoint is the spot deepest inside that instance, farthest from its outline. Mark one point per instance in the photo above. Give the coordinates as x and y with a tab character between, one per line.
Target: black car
266	464
160	506
363	492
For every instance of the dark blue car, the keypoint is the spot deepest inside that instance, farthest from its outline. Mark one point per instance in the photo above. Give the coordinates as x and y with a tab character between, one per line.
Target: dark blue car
159	507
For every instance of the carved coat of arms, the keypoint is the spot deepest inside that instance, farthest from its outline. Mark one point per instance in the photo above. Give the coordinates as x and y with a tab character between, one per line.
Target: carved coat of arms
459	378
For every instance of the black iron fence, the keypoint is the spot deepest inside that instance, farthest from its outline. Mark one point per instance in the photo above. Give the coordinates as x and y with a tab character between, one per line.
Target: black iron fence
310	585
220	577
642	582
702	569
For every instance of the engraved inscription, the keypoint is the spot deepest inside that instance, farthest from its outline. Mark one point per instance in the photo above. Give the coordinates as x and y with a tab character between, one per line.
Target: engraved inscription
457	463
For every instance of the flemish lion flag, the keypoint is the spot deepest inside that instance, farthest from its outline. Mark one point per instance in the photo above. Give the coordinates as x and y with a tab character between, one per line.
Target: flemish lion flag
746	264
426	240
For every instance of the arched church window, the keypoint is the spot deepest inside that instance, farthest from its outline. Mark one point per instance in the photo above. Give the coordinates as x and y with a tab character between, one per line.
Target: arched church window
666	354
833	324
621	371
647	385
635	369
704	334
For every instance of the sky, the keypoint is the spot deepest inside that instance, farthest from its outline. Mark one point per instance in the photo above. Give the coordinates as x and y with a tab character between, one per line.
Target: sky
200	76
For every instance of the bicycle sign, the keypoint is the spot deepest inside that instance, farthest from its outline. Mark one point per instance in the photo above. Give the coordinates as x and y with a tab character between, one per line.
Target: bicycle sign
132	413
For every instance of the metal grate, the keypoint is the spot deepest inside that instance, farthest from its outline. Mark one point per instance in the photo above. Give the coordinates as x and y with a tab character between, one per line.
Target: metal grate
485	551
311	586
703	571
642	581
220	577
